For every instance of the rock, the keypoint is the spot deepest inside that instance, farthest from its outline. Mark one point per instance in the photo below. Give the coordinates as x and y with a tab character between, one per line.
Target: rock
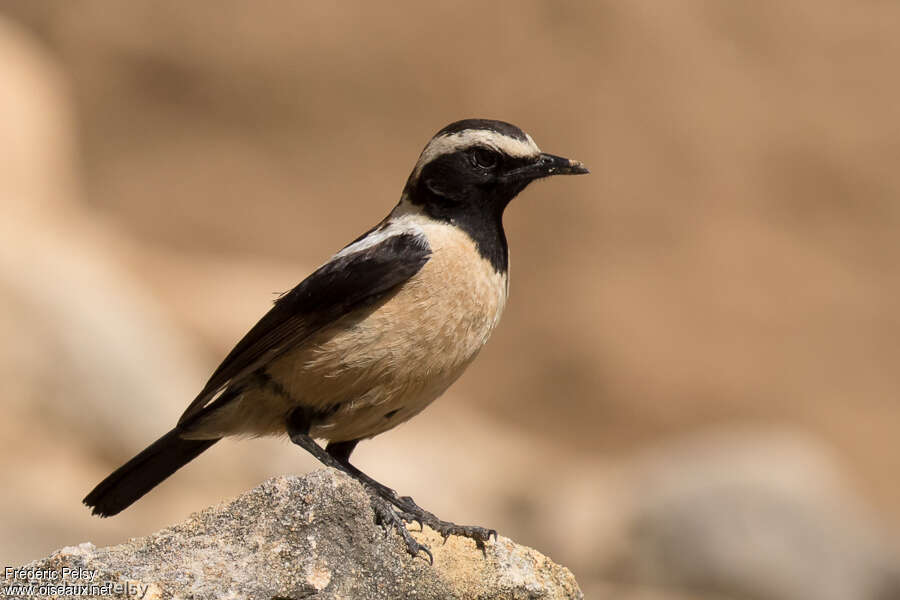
299	537
756	515
727	513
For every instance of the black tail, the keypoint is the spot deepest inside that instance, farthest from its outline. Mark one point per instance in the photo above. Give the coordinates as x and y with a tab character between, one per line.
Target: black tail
144	472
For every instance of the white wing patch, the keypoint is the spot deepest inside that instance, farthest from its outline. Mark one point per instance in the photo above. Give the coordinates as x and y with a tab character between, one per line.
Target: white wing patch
399	225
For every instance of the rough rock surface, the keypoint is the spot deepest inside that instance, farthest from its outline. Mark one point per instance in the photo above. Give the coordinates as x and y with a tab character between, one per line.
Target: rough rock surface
302	537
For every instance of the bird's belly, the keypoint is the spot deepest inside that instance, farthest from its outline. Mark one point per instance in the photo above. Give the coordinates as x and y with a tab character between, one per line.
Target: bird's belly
379	366
373	370
387	367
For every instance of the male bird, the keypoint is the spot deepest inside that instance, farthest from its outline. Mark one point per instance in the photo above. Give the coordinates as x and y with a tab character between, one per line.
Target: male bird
374	335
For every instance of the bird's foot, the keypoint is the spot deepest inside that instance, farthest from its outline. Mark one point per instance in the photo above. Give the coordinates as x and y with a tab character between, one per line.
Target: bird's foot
412	512
391	519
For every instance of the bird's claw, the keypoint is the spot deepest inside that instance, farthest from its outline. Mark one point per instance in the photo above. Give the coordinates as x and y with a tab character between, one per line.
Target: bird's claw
409	517
479	534
389	518
412	512
394	511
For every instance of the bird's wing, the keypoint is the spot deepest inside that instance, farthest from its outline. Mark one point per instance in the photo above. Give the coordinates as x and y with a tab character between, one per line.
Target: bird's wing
346	283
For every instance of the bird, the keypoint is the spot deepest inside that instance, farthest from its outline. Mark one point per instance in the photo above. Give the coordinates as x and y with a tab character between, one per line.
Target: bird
375	334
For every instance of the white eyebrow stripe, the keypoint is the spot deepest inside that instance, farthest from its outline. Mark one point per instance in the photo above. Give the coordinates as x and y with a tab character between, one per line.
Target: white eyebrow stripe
447	144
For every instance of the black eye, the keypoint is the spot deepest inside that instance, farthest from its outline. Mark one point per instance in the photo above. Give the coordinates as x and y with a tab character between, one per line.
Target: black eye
483	158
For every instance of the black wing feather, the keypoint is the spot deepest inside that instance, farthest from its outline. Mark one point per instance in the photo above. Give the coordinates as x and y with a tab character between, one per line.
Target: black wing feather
344	284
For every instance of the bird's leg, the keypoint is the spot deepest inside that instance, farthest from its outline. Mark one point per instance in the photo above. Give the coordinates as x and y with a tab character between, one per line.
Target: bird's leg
410	511
341	450
382	497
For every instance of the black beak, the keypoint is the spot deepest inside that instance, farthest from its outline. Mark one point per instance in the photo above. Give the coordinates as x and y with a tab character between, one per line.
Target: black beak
547	165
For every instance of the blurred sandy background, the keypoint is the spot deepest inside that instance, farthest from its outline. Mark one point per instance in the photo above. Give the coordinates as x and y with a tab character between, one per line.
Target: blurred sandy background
694	390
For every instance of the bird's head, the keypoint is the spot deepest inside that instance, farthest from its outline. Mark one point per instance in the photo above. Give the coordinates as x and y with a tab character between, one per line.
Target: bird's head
479	165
